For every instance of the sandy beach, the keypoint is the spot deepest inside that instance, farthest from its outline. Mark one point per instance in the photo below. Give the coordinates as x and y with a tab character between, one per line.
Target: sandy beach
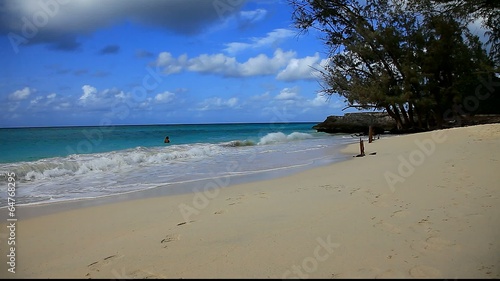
425	205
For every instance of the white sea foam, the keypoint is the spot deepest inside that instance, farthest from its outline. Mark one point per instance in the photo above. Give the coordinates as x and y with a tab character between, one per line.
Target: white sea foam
115	161
281	137
103	174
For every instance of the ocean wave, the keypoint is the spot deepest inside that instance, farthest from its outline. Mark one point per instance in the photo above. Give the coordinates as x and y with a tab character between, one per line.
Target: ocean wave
127	160
270	138
116	161
238	143
281	137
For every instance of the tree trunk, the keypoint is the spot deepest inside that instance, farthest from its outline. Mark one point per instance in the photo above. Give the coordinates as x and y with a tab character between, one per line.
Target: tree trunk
405	116
395	114
410	113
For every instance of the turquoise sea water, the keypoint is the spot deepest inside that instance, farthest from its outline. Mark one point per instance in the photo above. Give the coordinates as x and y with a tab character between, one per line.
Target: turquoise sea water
67	163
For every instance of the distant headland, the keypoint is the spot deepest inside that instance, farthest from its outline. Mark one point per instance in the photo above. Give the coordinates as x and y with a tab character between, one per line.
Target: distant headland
381	122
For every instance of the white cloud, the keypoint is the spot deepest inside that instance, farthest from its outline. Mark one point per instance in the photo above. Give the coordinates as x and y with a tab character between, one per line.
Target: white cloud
94	99
39	103
164	97
235	47
35	100
273	38
265	96
63	106
232	102
49	103
284	64
288	94
146	104
169	63
304	68
20	94
324	101
121	95
89	94
319	100
227	66
217	63
253	16
262	65
218	103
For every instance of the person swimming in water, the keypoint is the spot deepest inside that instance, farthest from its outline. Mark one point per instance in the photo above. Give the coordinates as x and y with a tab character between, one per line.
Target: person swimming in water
167	140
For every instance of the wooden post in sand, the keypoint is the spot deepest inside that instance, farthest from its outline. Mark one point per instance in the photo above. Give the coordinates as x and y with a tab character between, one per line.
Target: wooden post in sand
361	147
370	134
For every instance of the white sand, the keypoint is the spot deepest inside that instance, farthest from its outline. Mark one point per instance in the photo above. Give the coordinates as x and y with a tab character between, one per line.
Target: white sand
439	216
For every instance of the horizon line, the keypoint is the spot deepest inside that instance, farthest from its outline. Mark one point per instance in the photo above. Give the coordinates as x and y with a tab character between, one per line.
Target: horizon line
158	124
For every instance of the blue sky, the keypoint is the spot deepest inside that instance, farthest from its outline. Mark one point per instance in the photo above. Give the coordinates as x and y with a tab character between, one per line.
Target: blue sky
89	62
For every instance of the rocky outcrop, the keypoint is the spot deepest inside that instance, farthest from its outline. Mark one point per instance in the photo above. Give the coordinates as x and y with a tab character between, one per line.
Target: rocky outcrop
357	123
478	119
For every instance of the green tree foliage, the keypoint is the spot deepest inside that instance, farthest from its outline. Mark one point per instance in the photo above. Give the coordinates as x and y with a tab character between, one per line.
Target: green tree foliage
488	11
385	55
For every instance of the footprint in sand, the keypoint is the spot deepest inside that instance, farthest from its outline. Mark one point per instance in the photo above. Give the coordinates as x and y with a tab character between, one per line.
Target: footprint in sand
262	195
487	269
184	222
236	200
137	274
377	200
239	199
122	274
169	238
365	272
355	190
435	244
326	186
425	221
143	274
338	188
424	225
97	266
220	212
422	271
300	189
400	214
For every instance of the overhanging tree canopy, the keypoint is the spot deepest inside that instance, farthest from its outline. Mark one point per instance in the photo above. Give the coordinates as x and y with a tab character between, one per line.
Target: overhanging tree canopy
385	55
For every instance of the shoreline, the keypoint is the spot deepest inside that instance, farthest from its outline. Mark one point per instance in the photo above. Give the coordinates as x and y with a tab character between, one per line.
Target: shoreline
426	205
31	210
